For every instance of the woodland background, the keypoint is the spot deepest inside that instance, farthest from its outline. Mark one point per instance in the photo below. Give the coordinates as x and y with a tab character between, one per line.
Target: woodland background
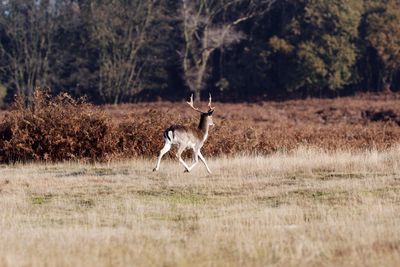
300	182
121	51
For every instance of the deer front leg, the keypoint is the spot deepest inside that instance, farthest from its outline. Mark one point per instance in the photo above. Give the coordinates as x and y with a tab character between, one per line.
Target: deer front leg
195	158
204	161
178	155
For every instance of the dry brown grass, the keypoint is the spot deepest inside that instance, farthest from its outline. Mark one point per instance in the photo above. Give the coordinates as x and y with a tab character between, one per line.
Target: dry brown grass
304	208
62	128
55	129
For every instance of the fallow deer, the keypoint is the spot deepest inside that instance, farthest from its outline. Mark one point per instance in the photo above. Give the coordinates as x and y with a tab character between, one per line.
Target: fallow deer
188	137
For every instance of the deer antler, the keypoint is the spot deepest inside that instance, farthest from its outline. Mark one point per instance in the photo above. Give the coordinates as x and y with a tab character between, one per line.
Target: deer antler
210	108
190	103
209	103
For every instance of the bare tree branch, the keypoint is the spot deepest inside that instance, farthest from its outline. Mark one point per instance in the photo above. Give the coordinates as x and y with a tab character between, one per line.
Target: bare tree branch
120	37
29	30
203	34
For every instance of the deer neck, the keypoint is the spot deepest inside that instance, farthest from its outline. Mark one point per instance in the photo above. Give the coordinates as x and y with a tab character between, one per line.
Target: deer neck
203	126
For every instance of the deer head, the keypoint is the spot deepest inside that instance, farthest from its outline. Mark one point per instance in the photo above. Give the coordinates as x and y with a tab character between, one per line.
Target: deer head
206	116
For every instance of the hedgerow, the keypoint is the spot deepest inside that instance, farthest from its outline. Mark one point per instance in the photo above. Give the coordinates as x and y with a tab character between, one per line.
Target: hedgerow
61	128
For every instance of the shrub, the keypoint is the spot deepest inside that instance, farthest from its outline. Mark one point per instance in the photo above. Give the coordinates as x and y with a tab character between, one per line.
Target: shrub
61	128
55	129
141	135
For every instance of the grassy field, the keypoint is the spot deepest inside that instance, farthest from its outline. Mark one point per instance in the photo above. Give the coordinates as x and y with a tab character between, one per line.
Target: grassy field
305	208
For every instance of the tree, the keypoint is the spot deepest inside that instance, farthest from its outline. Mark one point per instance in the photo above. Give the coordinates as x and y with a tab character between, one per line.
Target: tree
118	30
73	60
207	29
317	44
26	45
383	35
161	75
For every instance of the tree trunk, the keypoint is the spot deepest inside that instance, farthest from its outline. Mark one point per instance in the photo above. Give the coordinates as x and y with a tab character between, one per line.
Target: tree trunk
196	95
387	83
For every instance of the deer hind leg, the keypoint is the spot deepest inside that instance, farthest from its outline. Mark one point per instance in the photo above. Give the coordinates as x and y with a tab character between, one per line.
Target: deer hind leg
165	149
178	155
204	161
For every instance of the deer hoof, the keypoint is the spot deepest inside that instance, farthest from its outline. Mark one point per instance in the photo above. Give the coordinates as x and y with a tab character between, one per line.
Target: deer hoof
186	170
155	169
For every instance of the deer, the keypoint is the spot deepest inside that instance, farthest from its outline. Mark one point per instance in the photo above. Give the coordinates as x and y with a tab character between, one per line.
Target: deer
185	137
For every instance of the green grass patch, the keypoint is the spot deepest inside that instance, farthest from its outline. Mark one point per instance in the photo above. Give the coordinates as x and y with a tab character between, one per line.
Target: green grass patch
173	196
40	199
